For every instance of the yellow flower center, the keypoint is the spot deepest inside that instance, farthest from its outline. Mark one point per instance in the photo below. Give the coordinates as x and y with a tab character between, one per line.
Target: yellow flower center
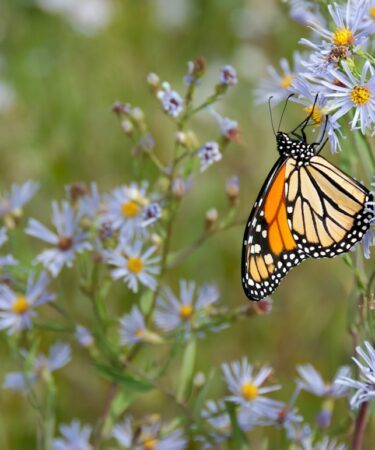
372	12
249	391
343	36
130	209
135	264
21	305
148	443
360	95
317	115
186	311
139	332
286	81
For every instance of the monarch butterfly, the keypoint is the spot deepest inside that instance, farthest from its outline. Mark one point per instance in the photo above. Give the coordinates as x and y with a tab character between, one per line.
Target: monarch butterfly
307	208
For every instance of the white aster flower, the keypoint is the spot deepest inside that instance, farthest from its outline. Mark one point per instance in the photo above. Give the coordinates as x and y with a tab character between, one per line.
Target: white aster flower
83	336
365	386
17	310
11	203
208	154
74	437
68	240
58	356
148	436
311	381
228	76
173	312
132	265
246	386
127	208
278	85
132	327
171	100
352	93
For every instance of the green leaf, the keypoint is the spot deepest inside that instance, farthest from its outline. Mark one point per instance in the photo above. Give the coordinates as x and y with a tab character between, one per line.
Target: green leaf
123	379
123	399
187	371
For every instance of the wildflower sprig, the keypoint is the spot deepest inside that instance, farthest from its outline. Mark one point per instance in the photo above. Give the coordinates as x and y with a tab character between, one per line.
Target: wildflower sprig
118	247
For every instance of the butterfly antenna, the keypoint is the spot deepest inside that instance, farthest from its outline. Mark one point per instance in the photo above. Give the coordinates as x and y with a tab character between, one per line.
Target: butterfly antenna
305	122
269	107
282	114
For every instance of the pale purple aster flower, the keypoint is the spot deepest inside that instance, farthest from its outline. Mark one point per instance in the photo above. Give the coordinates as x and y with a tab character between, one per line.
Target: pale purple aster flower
300	434
74	437
17	310
7	260
353	93
228	76
282	415
148	436
19	381
228	127
68	240
208	154
311	381
173	312
125	208
368	241
278	85
83	336
123	433
324	417
216	415
305	12
250	415
89	204
326	444
350	27
132	265
161	440
365	386
306	93
132	327
151	214
12	203
171	100
58	356
246	386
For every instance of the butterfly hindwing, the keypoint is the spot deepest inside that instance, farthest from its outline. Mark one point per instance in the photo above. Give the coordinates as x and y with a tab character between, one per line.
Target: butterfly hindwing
325	208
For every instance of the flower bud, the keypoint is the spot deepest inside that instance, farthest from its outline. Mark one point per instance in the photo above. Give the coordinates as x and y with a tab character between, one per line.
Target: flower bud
232	188
137	114
199	380
212	217
154	81
127	126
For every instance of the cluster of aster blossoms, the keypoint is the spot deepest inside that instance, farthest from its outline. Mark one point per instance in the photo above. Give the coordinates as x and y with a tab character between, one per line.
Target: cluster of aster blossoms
337	65
121	236
333	79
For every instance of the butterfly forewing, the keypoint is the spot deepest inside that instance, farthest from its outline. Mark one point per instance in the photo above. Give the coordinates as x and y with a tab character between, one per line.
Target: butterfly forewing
269	250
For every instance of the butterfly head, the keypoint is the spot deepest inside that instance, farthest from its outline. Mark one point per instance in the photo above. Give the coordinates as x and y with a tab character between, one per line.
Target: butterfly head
283	143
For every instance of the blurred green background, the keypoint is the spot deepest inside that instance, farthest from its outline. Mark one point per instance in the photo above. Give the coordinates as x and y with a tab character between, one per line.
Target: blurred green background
57	127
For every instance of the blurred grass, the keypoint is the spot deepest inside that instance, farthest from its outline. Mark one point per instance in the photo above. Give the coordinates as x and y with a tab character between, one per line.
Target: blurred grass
62	130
